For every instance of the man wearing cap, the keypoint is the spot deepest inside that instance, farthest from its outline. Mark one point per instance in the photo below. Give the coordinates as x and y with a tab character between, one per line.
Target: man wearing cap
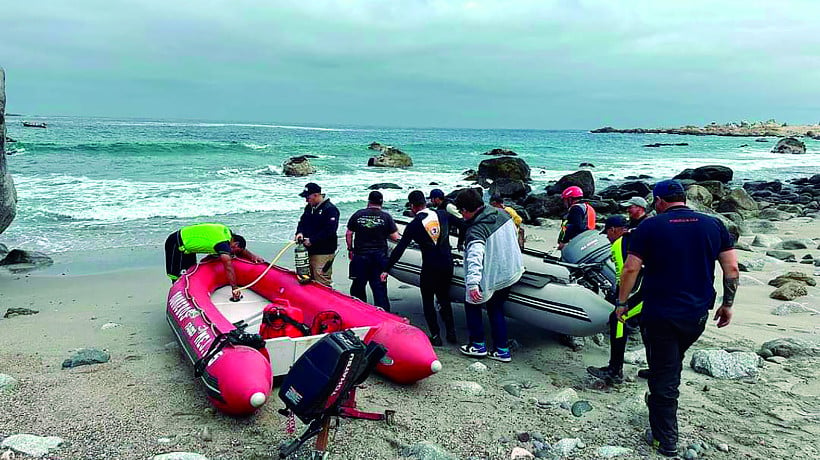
366	237
616	230
317	231
182	246
678	249
636	208
440	201
430	229
497	202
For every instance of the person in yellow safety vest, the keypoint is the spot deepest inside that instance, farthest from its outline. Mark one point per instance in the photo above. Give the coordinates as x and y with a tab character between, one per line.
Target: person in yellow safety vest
616	229
580	216
182	246
498	202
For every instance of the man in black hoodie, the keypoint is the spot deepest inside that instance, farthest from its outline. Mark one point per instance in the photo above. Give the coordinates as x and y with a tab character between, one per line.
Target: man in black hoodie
317	231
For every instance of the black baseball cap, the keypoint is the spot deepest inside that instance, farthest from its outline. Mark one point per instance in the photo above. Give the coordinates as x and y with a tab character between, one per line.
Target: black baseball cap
310	189
436	193
416	197
615	221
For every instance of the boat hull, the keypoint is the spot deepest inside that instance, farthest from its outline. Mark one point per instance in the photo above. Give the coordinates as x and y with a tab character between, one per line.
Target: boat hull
545	297
237	373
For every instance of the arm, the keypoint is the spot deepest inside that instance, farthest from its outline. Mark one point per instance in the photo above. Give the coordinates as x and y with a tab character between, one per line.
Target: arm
398	251
349	241
473	268
236	294
629	274
245	254
394	236
731	276
300	227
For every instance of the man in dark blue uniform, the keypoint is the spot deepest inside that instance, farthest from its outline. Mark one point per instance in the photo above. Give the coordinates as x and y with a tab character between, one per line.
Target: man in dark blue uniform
678	249
367	232
430	229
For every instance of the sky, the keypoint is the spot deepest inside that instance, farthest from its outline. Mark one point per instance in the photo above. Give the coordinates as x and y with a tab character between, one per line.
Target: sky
541	64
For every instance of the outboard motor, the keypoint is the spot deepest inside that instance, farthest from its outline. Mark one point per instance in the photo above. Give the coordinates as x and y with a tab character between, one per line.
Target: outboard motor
590	251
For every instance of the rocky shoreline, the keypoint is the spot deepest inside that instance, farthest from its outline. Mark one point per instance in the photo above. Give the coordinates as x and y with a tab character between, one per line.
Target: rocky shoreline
769	128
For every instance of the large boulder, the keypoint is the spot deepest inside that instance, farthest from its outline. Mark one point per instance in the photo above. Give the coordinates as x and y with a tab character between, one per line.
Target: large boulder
298	166
789	145
509	188
8	194
759	185
793	277
582	178
709	172
544	205
505	167
500	152
626	191
788	347
698	197
390	157
738	200
790	291
715	187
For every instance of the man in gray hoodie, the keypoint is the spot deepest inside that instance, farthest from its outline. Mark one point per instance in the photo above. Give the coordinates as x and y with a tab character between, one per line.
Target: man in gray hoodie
492	264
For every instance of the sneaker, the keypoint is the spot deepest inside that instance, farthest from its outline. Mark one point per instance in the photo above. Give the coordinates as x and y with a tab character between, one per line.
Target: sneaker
603	373
474	349
436	340
655	444
451	337
643	373
500	354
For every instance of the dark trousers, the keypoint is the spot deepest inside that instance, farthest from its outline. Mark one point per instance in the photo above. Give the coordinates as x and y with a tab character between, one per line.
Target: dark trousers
367	268
176	260
617	346
495	312
666	342
435	281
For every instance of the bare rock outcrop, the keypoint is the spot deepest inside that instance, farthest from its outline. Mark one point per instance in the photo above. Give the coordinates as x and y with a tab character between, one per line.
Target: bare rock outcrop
789	145
8	194
298	166
390	157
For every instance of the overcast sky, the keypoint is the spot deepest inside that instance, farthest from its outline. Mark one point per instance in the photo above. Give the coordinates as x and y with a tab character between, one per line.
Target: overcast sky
429	63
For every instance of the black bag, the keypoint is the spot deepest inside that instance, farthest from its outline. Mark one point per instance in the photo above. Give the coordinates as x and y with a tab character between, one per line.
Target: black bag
324	373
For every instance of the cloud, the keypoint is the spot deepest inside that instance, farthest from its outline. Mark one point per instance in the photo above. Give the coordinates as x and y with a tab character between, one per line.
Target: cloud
334	60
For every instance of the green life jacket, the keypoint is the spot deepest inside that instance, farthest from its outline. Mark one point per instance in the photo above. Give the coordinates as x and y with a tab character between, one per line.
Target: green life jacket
201	238
635	301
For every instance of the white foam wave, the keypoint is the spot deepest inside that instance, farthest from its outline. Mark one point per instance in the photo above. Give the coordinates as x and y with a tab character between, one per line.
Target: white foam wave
253	146
219	125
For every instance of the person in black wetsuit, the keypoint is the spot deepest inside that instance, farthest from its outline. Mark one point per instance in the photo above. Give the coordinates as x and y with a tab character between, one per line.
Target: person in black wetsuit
430	229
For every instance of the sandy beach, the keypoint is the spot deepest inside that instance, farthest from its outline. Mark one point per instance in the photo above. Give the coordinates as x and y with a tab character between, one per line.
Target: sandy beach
145	401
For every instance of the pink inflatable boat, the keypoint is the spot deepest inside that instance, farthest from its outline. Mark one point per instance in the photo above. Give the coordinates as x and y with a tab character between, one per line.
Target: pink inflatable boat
233	362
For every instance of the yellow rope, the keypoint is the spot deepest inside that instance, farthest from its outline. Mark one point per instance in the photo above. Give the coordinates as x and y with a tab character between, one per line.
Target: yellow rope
272	263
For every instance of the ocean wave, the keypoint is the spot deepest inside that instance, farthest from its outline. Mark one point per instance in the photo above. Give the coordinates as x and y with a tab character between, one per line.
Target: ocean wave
221	125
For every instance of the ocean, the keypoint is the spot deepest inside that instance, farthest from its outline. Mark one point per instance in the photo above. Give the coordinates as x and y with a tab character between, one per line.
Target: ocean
92	185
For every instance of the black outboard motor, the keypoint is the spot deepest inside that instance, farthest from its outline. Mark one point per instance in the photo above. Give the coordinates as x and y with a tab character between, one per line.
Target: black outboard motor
590	251
322	382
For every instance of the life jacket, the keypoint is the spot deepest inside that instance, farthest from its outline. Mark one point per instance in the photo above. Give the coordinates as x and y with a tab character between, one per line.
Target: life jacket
589	213
280	319
201	238
635	300
326	322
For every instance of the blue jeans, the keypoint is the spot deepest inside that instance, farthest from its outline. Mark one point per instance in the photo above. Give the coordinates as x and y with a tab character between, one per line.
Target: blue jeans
495	312
367	268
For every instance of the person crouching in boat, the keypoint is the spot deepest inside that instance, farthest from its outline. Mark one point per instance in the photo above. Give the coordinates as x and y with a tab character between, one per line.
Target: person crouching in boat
182	246
580	216
616	230
492	264
430	229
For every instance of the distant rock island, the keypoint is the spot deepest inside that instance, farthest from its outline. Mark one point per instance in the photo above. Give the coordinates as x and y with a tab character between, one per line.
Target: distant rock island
744	128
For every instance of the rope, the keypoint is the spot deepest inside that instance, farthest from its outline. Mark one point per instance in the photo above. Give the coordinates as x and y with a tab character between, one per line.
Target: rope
272	263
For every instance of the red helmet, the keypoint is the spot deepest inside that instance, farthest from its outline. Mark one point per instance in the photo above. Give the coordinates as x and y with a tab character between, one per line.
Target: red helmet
572	192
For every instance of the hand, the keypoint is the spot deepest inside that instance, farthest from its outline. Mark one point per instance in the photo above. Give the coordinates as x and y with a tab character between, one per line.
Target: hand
258	260
561	246
306	242
350	255
383	277
723	315
620	311
236	294
299	237
475	294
